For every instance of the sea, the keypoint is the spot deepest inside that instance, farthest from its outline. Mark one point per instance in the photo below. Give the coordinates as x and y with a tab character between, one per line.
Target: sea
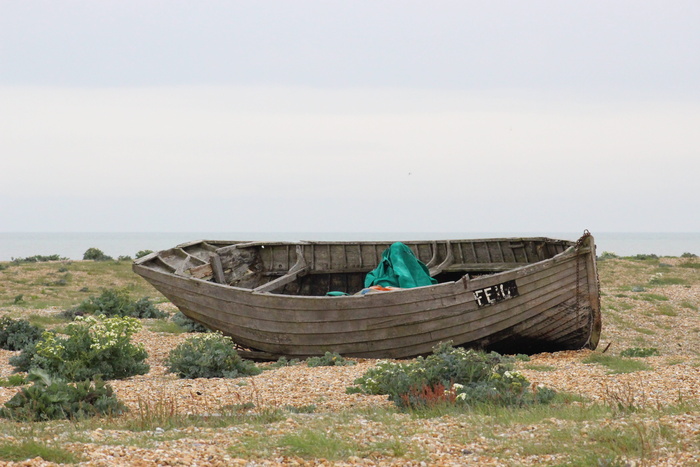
72	245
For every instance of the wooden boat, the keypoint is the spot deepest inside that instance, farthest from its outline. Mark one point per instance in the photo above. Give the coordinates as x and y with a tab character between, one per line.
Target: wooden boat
512	295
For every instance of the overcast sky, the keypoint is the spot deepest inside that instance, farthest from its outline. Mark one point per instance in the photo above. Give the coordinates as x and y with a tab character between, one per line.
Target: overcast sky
359	116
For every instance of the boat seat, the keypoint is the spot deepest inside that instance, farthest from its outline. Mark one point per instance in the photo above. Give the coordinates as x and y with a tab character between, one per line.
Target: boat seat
299	268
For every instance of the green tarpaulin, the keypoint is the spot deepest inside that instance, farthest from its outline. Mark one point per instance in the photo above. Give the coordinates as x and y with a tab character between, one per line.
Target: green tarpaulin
399	268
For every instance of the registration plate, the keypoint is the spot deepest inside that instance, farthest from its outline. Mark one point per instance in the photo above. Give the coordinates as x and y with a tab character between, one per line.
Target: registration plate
496	293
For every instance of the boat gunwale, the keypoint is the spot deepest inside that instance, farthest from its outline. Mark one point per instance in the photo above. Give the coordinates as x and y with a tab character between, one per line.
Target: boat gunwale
486	278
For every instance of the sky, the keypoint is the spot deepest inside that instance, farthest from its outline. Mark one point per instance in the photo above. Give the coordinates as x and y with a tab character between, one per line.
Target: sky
349	116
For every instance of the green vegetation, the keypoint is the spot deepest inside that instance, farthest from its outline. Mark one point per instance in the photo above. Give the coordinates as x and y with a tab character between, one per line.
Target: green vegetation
640	352
329	359
13	380
38	259
644	257
163	325
616	364
30	449
143	253
210	355
16	334
118	302
24	285
94	346
650	297
607	255
53	398
660	279
665	309
188	324
451	376
282	362
536	367
95	254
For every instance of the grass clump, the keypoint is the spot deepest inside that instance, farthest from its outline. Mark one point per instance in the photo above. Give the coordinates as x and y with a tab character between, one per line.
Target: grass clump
651	297
210	355
666	310
93	346
31	449
165	326
453	376
54	399
640	352
616	364
118	302
660	280
329	359
318	444
13	380
543	368
16	334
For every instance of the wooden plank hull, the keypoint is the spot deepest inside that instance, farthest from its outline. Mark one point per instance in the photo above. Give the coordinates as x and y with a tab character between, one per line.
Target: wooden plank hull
541	305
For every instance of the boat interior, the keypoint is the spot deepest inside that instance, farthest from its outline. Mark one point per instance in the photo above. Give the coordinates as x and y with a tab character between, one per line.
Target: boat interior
316	268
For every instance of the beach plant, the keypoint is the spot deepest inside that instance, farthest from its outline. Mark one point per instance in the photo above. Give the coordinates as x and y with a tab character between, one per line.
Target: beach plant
142	253
95	254
451	375
94	346
329	359
16	334
13	380
282	362
51	398
118	302
38	259
188	324
209	355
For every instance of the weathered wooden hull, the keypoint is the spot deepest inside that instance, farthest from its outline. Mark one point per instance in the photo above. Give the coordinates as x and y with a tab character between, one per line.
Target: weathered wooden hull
489	297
